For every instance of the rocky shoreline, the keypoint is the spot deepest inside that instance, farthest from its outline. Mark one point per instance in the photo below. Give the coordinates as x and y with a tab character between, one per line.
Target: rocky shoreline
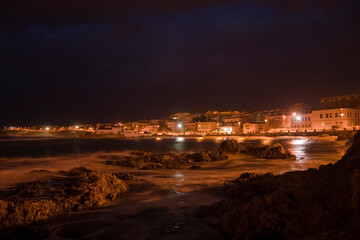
295	205
273	151
148	160
77	189
317	204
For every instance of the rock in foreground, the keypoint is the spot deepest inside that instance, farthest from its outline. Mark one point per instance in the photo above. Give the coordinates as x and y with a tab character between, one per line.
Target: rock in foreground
274	151
312	204
79	188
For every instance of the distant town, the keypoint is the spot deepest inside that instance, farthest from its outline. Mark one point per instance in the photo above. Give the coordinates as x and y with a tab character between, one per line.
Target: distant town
338	113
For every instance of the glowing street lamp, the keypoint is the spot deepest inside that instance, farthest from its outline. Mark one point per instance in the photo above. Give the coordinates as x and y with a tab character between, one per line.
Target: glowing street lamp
298	118
47	128
179	125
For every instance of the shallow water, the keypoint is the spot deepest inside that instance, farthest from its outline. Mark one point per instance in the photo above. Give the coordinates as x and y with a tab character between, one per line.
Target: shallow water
163	203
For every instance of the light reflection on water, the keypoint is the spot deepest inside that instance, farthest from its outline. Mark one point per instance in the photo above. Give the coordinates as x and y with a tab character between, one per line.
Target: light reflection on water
266	141
20	157
299	149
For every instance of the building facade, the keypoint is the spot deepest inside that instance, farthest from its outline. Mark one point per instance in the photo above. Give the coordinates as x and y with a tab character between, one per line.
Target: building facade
207	127
336	119
344	101
254	128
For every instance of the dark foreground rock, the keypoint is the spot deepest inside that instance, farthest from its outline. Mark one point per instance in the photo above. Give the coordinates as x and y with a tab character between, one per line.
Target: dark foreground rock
80	188
149	160
312	204
273	151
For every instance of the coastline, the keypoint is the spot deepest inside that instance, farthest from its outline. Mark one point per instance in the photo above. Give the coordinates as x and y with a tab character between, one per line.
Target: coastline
176	194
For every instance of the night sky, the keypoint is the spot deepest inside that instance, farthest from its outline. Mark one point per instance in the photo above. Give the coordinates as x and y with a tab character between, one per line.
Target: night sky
73	62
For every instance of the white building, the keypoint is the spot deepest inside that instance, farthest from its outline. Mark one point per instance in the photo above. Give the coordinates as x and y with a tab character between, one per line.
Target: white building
336	119
251	128
207	127
300	122
108	129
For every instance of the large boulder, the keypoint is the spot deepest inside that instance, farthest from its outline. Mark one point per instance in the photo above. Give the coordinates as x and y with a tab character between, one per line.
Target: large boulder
273	151
229	146
319	203
77	189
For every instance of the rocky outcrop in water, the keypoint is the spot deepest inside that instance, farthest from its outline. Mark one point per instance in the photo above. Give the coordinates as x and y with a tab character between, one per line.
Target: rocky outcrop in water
79	188
317	204
273	151
148	160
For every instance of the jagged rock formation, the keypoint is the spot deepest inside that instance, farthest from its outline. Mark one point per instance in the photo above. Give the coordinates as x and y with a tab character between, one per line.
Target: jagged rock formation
312	204
274	151
148	160
80	188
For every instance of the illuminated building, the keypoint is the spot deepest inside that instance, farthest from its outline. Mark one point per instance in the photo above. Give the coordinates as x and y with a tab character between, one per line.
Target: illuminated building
336	119
301	108
207	127
344	101
301	121
253	128
108	129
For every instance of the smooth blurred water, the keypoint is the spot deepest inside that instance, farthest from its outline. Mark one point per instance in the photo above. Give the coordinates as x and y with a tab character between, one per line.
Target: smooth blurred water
302	147
20	157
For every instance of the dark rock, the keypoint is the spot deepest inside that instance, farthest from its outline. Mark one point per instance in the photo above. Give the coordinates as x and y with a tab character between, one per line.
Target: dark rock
79	188
126	176
218	209
312	204
201	157
195	166
151	166
273	151
147	160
